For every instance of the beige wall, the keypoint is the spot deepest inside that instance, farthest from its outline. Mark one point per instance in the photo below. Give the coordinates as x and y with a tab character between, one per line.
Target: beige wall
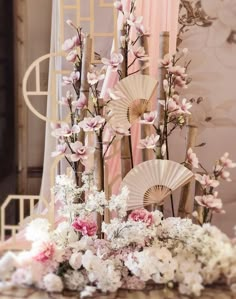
32	35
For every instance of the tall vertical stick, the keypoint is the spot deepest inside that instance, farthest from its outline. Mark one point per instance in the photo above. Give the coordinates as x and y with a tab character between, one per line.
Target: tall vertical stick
84	90
145	129
126	147
163	50
185	198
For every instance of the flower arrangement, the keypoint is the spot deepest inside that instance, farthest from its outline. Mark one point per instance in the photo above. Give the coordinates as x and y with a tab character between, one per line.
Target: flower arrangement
140	247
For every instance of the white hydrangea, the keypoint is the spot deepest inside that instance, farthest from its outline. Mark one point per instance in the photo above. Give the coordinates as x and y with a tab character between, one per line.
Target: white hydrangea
152	263
53	283
37	229
96	202
64	235
118	203
121	234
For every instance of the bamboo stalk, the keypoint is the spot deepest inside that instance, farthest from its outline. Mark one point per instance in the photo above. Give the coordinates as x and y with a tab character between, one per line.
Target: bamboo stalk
126	147
145	129
84	90
185	197
163	50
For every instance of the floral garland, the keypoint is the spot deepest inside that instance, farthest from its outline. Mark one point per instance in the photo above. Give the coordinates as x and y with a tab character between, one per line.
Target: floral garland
138	248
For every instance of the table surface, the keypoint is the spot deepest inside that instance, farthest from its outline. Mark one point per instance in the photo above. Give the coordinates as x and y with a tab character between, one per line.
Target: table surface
216	293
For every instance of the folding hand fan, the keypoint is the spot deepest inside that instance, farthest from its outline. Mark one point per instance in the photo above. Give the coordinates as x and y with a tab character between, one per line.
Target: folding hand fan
151	181
137	90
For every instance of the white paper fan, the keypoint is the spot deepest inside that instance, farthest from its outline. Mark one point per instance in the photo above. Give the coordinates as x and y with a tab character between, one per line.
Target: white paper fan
151	181
137	90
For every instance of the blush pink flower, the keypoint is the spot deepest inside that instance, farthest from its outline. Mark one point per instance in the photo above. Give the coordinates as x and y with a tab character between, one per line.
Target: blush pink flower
192	158
92	123
149	142
81	102
72	79
71	56
60	150
81	152
94	77
166	61
206	181
149	118
114	61
118	5
140	54
66	101
211	202
62	130
68	44
87	227
226	162
43	251
142	215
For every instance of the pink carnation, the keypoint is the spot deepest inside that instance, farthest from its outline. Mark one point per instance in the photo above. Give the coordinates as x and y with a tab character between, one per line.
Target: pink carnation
142	215
44	251
85	226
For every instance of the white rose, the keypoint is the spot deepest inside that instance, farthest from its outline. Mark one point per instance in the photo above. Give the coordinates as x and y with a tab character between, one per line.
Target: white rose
76	260
53	283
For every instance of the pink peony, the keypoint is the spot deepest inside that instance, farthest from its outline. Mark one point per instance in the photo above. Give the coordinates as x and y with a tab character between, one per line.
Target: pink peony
43	251
87	227
142	215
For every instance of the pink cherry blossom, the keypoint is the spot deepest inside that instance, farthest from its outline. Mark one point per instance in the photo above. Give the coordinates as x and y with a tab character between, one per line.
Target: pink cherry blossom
43	251
225	175
68	44
206	181
71	56
95	76
184	107
114	61
87	227
81	102
81	152
92	123
142	215
226	162
166	61
211	202
192	158
133	20
66	101
72	79
140	29
149	117
118	5
140	54
71	24
60	150
62	130
149	142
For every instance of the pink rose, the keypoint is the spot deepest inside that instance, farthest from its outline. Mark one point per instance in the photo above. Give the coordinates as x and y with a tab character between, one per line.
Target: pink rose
85	226
43	251
142	215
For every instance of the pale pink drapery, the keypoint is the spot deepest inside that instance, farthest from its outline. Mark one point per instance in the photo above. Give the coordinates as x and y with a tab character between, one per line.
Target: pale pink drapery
158	16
